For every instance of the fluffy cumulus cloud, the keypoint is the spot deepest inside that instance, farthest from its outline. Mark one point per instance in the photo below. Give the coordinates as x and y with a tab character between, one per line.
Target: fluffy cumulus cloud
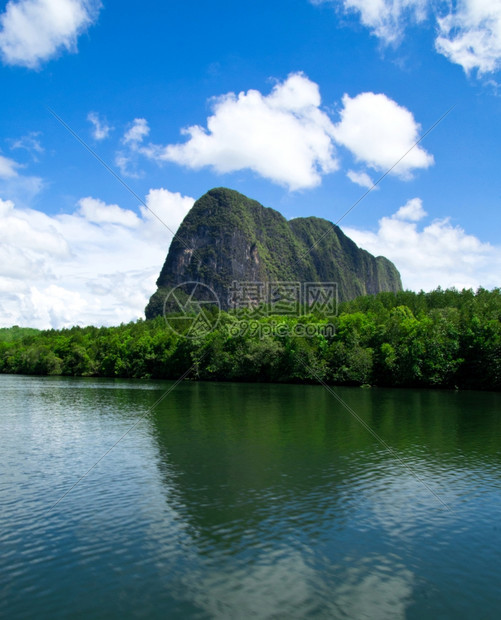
432	254
33	31
287	138
98	212
411	211
100	127
379	133
468	31
137	132
361	178
471	35
283	136
386	18
97	265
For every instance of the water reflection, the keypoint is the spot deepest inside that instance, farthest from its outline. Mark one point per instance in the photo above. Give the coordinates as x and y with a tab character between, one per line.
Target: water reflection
247	501
236	450
281	478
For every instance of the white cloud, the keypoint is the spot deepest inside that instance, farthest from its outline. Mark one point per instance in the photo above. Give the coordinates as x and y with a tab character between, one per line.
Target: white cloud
437	254
98	212
33	31
468	31
379	132
412	211
97	265
30	143
101	129
168	207
361	178
471	35
287	138
6	207
21	189
138	131
283	136
127	165
8	168
126	159
386	18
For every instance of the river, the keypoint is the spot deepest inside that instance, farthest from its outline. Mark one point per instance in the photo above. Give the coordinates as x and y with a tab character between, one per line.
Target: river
247	501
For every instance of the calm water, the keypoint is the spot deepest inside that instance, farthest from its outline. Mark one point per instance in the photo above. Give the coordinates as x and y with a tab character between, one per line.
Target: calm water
242	501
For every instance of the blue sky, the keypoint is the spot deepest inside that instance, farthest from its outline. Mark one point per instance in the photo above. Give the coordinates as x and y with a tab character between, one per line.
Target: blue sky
299	104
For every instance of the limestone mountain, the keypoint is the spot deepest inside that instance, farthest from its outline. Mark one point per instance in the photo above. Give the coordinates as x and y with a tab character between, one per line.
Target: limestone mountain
228	237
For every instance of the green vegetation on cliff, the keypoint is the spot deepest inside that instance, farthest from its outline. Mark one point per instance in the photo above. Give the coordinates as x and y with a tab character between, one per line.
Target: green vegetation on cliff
438	339
227	236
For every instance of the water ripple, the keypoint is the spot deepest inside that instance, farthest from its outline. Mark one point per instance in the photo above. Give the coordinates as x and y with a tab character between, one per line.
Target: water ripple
246	501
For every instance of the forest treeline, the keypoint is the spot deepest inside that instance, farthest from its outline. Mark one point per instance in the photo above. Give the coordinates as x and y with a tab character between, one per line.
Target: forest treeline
444	338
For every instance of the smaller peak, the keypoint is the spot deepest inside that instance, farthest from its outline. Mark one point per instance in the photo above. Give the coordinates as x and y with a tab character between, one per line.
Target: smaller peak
224	192
221	197
221	189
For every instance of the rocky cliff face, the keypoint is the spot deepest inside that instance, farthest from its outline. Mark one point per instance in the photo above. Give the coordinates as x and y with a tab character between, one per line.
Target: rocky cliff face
228	237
